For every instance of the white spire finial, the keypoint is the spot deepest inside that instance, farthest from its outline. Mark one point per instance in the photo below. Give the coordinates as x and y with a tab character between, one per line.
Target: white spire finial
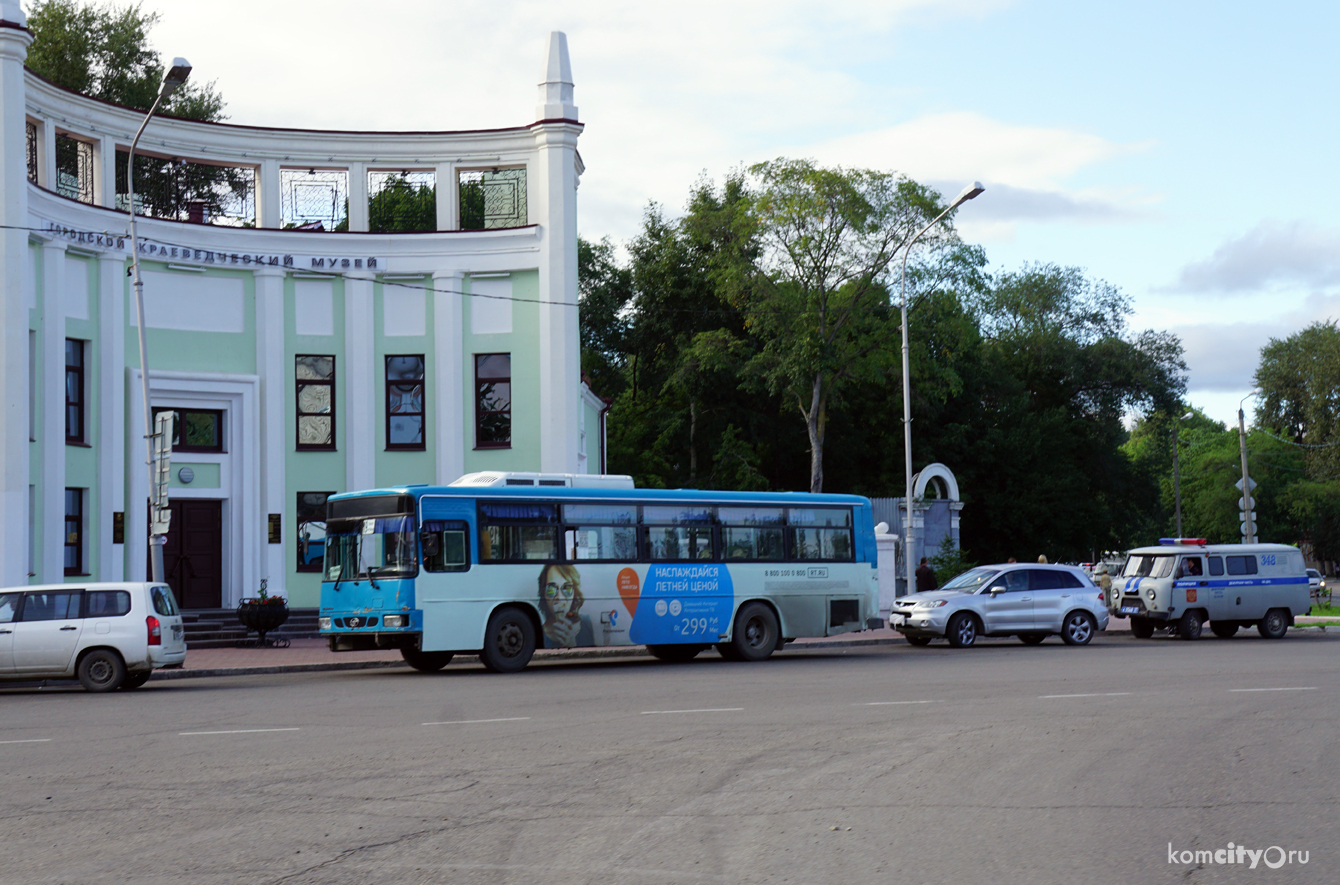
556	87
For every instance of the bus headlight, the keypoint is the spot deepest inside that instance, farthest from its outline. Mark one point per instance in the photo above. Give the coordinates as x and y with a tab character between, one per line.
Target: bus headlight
393	621
323	623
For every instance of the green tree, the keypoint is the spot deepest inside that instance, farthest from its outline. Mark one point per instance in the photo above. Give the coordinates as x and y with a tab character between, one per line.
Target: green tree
103	51
402	206
818	300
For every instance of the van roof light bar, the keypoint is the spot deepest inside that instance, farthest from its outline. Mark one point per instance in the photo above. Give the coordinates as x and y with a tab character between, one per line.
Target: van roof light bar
1181	542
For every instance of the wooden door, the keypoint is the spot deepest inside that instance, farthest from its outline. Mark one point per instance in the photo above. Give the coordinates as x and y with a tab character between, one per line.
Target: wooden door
193	554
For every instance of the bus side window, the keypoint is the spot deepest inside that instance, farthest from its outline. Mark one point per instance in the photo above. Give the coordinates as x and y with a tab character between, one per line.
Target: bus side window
1216	565
445	546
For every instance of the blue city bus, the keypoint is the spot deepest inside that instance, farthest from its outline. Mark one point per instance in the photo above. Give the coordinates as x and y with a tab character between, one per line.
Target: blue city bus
500	571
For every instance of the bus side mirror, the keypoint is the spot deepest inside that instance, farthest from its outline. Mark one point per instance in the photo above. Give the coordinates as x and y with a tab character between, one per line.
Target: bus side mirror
432	544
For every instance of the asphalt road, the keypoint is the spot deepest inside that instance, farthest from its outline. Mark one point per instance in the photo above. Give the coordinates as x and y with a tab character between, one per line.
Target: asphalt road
1001	763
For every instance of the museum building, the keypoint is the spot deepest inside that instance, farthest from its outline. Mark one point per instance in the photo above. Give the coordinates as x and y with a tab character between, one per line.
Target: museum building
309	335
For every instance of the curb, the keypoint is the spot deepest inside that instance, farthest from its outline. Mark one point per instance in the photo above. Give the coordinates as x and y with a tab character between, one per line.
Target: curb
633	651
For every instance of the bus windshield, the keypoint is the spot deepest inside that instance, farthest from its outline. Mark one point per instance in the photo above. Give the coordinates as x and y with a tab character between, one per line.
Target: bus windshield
378	547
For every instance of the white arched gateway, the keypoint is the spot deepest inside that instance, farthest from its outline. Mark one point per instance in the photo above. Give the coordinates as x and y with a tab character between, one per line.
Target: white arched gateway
304	348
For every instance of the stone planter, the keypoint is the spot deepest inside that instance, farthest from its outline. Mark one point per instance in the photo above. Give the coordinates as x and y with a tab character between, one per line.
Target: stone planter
262	617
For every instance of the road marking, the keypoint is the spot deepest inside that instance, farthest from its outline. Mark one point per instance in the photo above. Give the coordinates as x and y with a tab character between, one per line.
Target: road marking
235	731
1298	688
705	710
891	703
476	721
1105	694
28	741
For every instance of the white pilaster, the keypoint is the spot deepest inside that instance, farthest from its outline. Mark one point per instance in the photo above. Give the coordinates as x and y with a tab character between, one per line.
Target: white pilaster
46	161
51	429
272	369
359	397
14	526
449	381
358	197
110	413
268	195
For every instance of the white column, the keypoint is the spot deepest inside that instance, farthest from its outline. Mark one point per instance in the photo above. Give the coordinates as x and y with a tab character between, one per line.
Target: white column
104	180
273	371
14	528
46	161
268	195
452	424
358	197
111	412
51	430
359	385
560	347
448	201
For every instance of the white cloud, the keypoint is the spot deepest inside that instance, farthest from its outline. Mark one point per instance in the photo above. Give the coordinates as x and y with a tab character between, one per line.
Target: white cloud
1269	254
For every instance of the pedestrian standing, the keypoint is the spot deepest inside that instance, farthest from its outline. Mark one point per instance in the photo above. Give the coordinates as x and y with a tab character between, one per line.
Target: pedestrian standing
926	577
1104	580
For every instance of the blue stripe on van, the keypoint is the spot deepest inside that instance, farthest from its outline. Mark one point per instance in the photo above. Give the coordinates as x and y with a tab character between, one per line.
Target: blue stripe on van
1243	581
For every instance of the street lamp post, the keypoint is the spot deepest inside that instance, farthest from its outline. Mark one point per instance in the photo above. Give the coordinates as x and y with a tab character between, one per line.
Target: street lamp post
172	80
1177	480
966	194
1249	536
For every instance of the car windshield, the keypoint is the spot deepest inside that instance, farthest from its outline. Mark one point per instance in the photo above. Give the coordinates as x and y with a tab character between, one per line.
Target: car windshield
971	580
1148	565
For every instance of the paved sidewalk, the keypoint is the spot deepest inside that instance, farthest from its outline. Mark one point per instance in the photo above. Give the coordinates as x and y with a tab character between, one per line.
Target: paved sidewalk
312	654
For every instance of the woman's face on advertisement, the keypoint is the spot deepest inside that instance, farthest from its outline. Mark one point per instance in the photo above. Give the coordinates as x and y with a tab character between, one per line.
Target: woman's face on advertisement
558	593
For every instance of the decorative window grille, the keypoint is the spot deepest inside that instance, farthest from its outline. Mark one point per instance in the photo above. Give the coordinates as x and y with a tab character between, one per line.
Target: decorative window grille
402	201
182	190
314	199
74	169
493	199
315	379
32	152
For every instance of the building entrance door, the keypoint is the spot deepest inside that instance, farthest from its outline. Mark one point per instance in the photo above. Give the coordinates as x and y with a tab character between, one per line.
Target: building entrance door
193	554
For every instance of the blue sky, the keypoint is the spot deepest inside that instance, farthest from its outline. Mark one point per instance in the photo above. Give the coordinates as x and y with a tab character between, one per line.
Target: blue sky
1175	149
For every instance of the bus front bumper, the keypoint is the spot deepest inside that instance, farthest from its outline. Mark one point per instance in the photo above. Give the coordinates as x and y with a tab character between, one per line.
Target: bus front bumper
370	630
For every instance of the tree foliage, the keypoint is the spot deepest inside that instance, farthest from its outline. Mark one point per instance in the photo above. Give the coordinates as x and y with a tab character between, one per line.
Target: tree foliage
712	335
402	206
104	52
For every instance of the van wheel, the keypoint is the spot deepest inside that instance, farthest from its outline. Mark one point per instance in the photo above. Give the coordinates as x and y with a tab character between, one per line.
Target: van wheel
962	630
755	634
426	661
1078	628
1274	625
1189	626
102	670
1224	629
509	641
675	653
1141	628
135	680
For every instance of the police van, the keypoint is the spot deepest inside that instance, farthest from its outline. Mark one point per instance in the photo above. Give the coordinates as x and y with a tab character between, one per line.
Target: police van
1184	582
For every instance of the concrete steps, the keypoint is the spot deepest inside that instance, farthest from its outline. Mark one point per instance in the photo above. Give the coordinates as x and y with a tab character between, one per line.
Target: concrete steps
219	628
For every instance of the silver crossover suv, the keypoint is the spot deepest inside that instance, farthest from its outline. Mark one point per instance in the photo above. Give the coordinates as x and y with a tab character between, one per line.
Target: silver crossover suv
1018	599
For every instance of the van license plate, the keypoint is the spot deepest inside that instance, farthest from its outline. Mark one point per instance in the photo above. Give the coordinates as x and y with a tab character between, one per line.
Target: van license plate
1129	610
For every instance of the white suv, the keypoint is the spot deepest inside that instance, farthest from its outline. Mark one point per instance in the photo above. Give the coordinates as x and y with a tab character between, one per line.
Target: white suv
110	636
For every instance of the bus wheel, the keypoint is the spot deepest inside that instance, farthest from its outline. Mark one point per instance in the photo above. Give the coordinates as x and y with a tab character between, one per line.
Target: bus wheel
1190	625
426	661
755	634
1224	629
509	641
1274	625
1141	628
675	653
